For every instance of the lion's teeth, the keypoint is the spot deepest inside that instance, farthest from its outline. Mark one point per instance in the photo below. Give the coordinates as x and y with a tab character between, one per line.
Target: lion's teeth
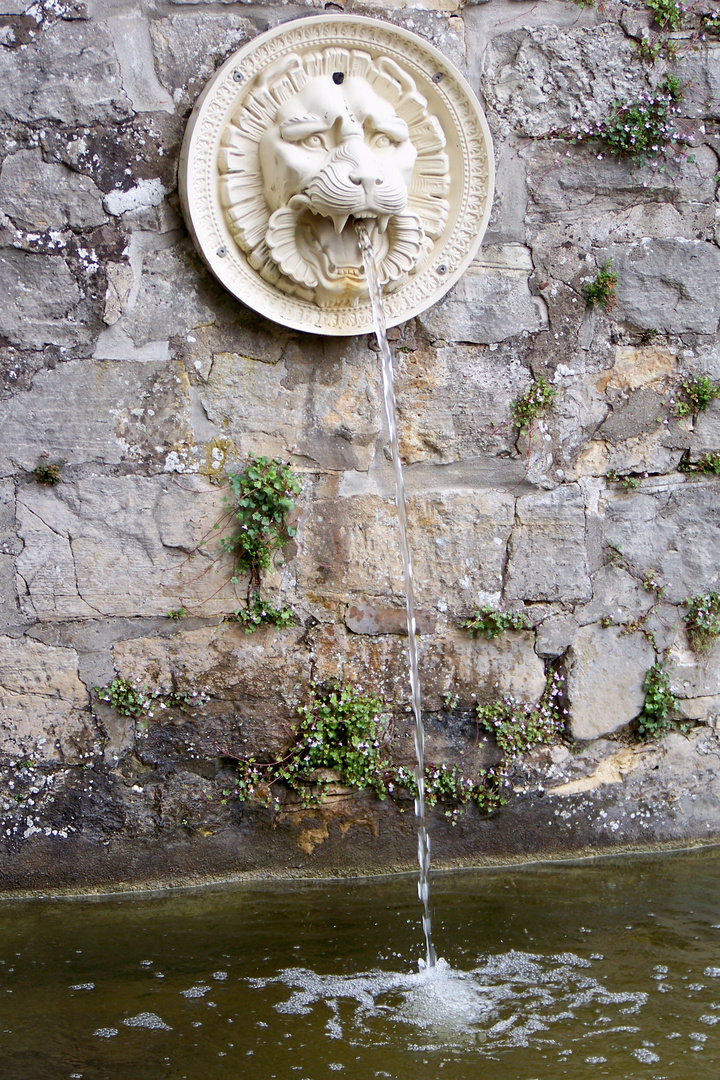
339	221
383	222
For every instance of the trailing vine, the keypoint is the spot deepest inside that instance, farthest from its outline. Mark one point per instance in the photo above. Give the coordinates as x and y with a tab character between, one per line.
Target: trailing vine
342	736
262	504
491	623
660	703
702	620
601	290
519	726
532	404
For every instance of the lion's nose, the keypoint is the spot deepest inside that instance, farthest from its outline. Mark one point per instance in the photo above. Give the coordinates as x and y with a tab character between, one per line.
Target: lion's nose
368	180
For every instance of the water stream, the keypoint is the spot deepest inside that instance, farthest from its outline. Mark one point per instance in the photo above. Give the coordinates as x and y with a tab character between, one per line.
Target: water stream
378	310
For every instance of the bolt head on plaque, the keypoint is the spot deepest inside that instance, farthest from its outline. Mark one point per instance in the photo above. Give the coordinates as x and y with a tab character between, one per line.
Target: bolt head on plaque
315	125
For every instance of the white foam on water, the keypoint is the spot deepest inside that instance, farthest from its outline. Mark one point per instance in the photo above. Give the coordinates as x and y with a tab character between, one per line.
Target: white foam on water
196	991
147	1020
507	1000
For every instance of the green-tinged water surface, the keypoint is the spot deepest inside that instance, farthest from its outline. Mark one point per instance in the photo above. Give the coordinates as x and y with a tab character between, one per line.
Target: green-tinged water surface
606	969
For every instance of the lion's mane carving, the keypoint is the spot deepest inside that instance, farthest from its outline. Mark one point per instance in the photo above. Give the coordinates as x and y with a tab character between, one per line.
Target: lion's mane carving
323	139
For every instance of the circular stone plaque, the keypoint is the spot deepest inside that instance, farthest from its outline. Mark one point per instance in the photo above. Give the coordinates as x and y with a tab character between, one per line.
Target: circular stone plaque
319	123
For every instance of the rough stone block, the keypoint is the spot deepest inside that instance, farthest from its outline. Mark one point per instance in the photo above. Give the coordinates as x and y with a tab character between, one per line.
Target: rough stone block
633	416
70	73
638	366
699	68
539	79
168	300
42	303
438	424
372	619
670	526
705	438
122	546
350	546
548	559
555	635
451	663
617	595
491	302
324	411
188	47
42	703
104	412
10	542
608	199
694	675
671	285
39	196
605	674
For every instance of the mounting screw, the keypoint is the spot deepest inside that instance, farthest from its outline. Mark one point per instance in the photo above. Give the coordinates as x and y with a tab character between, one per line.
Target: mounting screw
438	76
238	75
442	268
222	252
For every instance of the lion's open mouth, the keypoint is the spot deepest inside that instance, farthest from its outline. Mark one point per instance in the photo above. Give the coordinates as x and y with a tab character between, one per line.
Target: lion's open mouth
339	253
320	252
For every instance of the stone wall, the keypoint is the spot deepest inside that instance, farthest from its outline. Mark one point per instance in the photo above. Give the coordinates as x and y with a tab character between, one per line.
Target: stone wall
122	359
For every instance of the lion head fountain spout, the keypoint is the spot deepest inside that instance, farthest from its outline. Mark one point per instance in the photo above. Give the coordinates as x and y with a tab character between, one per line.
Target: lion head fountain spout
314	126
336	146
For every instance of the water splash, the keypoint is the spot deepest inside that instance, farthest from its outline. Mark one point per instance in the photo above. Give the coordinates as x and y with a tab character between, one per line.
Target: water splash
378	312
514	999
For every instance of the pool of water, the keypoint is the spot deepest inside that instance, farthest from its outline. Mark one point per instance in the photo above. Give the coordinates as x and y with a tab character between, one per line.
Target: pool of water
605	969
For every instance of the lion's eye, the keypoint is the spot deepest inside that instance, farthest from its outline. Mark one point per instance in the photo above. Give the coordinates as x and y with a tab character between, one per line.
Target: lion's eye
381	142
314	142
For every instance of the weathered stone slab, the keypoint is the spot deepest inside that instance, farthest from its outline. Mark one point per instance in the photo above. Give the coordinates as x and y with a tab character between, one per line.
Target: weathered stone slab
491	302
451	664
10	543
547	555
617	595
42	303
366	618
122	546
670	526
131	35
349	547
705	438
611	198
638	366
539	79
167	301
633	416
439	424
70	73
327	412
45	196
699	68
42	703
104	412
605	674
555	634
694	675
671	285
188	47
255	682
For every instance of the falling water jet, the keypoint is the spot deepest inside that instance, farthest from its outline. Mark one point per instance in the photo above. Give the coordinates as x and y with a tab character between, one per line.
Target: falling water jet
378	312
